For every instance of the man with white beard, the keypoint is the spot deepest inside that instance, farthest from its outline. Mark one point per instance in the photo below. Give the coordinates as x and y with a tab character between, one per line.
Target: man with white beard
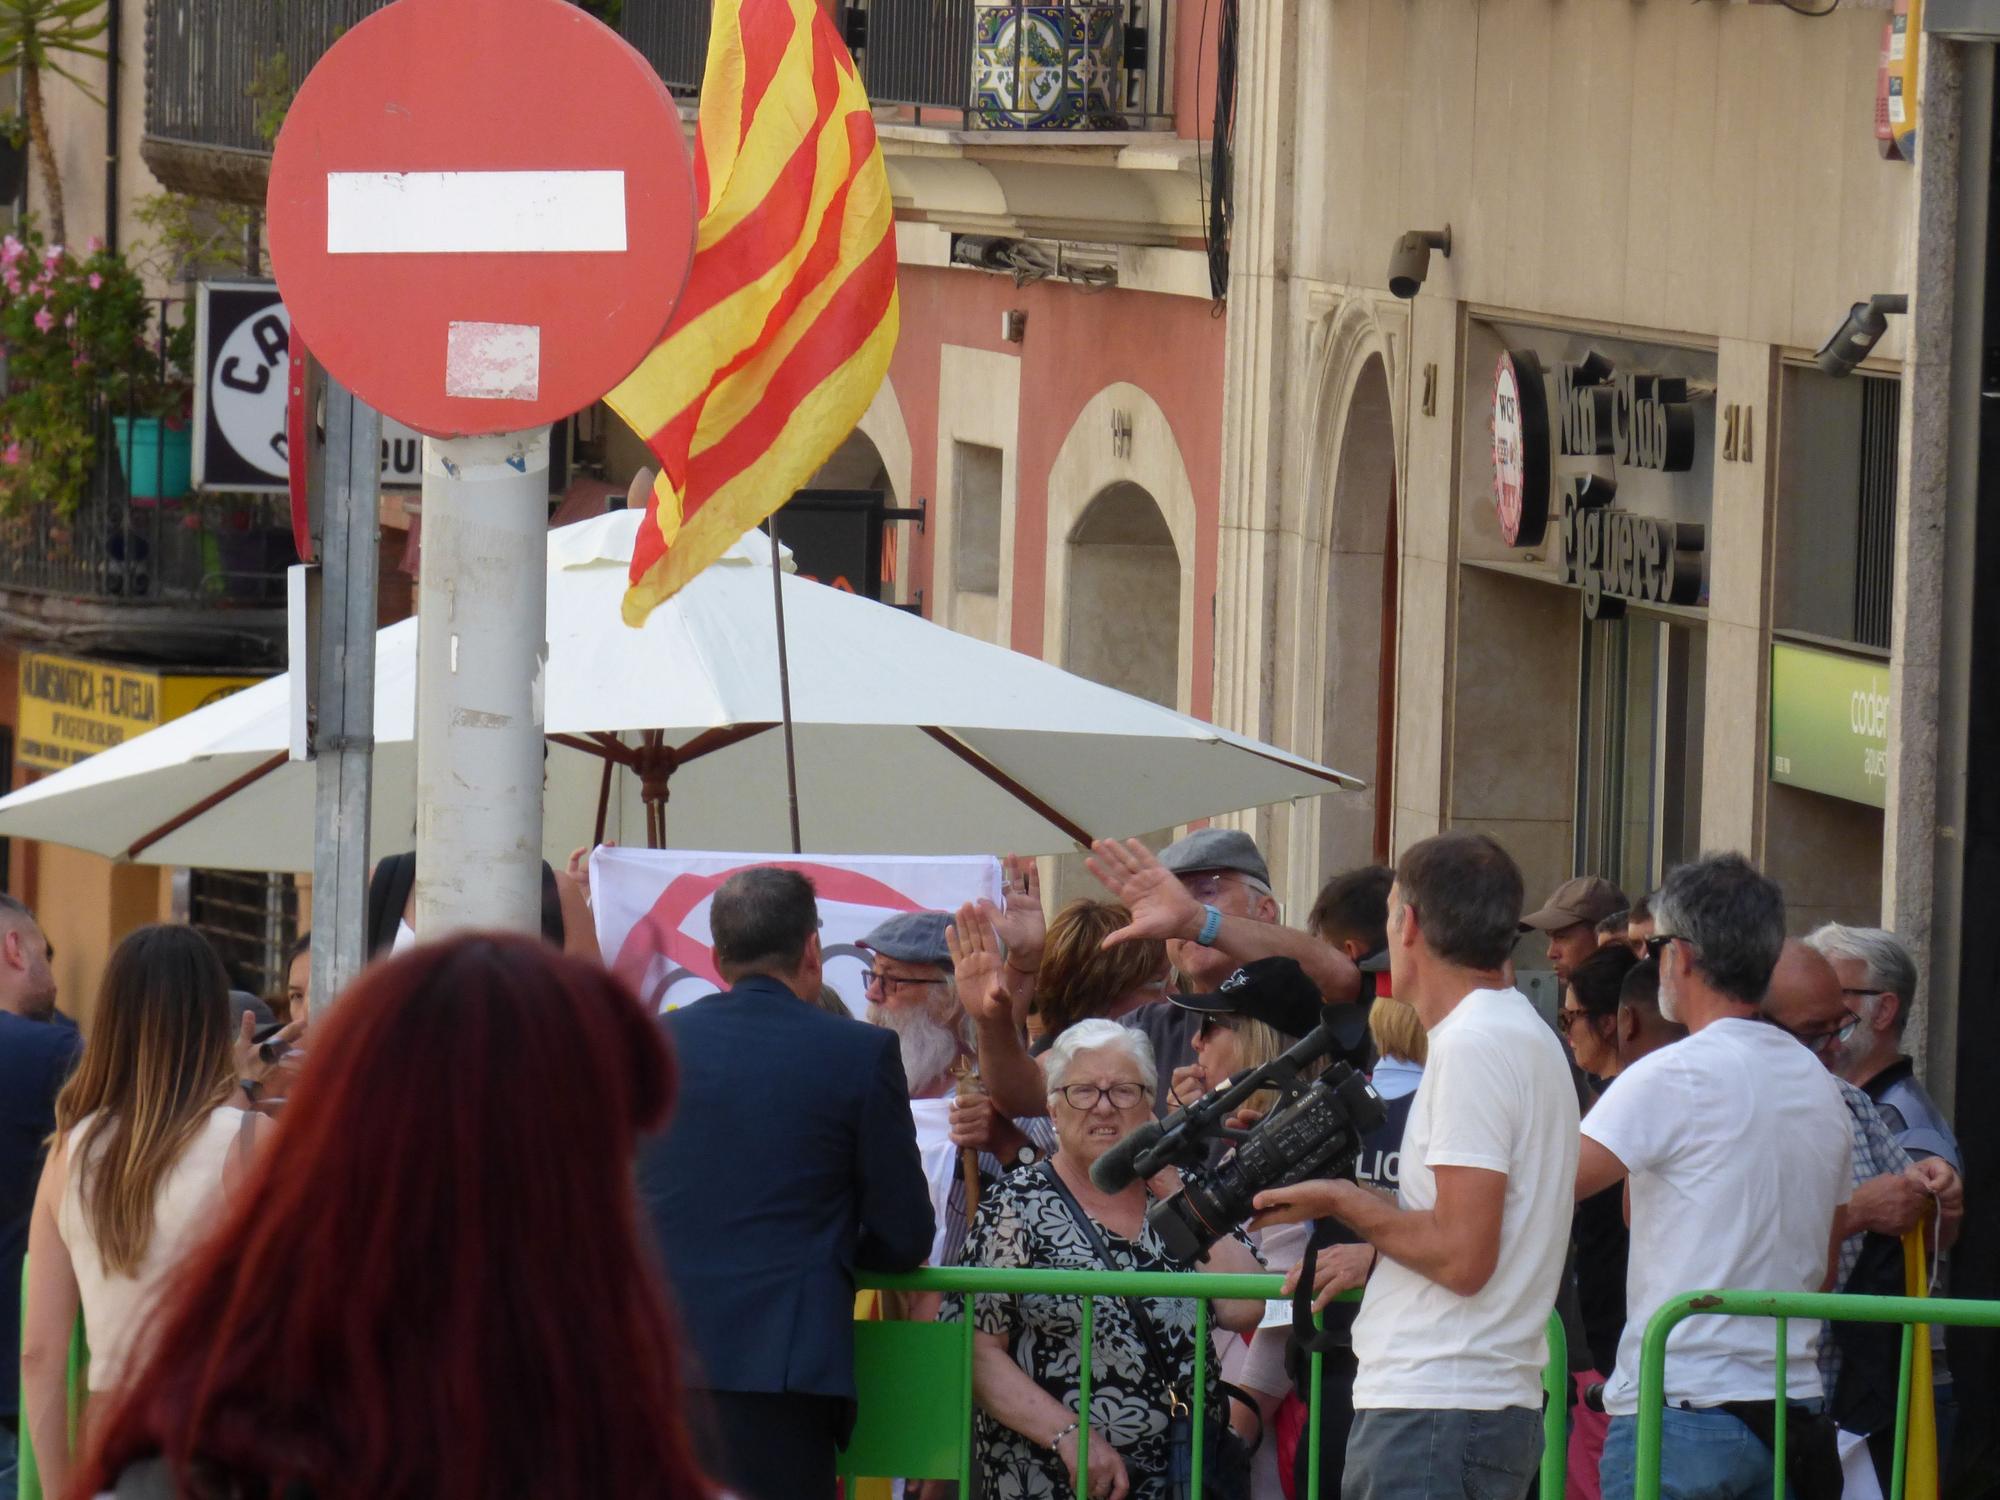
912	992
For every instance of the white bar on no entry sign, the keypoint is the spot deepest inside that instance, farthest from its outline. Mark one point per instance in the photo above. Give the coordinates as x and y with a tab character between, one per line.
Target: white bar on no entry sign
458	213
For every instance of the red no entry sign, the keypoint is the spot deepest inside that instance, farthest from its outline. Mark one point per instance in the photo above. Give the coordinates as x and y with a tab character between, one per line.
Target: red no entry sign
481	212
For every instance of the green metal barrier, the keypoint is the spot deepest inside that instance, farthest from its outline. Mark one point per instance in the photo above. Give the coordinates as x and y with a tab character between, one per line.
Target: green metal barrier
28	1472
1911	1312
915	1442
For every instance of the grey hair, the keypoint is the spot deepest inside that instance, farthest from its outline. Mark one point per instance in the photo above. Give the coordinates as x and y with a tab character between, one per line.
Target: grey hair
1089	1036
1885	956
1734	917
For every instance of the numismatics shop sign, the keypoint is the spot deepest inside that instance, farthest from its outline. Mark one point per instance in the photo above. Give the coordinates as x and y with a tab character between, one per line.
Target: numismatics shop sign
72	707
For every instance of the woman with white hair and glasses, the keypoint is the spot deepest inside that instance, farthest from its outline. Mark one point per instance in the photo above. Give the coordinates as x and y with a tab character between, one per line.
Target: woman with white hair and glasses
1026	1352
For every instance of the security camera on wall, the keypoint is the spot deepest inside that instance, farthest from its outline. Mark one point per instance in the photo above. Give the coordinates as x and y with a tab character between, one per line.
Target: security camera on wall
1410	261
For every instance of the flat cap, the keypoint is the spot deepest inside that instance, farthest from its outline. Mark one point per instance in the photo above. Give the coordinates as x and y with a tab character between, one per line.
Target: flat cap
1588	898
1216	849
912	937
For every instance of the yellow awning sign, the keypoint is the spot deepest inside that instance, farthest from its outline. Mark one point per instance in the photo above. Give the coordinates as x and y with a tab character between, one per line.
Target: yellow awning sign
72	707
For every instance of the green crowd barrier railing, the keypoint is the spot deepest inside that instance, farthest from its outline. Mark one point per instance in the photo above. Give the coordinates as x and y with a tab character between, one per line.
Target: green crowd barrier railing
28	1474
1912	1312
915	1379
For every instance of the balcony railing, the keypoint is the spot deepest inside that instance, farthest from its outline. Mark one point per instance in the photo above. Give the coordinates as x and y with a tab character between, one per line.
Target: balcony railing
1080	65
219	72
672	35
208	551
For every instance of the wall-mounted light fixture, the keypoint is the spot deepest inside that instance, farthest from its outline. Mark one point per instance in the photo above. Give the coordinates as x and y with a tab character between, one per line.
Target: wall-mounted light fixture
1855	339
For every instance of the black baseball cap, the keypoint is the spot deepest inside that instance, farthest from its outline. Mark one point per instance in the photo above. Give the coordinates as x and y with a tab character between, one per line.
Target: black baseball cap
1275	991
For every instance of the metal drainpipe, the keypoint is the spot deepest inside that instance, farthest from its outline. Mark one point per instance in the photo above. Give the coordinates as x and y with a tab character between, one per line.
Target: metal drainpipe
115	16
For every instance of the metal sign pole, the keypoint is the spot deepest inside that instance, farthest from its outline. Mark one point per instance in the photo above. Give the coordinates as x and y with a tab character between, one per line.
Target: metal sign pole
482	596
343	739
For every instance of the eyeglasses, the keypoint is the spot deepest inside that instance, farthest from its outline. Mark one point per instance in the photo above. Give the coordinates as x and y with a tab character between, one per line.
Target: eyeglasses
1657	944
1827	1039
1207	885
876	978
1083	1097
1212	1022
1566	1018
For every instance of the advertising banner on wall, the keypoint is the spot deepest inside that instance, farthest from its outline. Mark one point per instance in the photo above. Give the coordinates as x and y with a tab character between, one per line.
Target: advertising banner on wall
651	907
1830	723
72	707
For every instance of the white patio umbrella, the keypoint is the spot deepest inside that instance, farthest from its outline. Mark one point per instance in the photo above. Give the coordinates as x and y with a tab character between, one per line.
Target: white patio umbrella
910	738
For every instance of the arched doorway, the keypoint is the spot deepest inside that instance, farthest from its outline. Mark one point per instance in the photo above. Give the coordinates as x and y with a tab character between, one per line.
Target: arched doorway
1122	621
1359	708
1122	624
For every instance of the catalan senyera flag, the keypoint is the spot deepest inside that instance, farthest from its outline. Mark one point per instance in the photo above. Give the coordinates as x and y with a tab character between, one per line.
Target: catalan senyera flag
785	330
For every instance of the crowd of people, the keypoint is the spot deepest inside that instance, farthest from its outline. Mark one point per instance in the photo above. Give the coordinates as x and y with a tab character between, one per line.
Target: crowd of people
404	1256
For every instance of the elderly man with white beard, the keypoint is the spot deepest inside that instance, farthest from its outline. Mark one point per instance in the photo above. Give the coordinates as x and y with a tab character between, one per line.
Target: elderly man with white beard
912	992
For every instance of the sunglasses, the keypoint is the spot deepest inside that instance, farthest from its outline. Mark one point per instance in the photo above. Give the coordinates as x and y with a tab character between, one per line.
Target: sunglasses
1657	944
1212	1023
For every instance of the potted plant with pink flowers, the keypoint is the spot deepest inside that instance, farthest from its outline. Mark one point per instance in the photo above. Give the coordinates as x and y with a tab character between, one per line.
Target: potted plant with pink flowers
82	344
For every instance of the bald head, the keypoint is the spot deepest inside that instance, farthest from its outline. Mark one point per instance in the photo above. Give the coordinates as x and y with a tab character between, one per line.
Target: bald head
1805	999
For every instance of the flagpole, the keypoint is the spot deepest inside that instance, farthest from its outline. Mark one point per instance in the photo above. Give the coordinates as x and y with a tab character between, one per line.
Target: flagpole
785	688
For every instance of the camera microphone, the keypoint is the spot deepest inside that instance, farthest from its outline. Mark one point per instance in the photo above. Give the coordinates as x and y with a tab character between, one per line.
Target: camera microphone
1117	1168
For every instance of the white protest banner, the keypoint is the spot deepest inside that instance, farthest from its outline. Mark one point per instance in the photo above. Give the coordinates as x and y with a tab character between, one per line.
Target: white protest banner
651	907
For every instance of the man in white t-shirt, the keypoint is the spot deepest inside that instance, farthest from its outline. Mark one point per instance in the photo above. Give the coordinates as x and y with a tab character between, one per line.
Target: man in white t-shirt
1452	1334
1736	1146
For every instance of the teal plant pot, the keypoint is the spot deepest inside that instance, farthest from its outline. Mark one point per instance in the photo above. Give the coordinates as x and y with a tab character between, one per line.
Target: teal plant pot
158	460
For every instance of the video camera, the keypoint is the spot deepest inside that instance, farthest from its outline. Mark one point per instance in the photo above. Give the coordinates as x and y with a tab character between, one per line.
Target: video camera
1314	1130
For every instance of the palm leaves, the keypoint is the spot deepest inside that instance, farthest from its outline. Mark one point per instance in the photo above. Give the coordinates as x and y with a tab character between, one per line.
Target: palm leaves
38	36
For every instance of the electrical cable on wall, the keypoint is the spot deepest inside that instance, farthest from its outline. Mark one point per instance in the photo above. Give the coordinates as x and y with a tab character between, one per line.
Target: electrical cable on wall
1222	146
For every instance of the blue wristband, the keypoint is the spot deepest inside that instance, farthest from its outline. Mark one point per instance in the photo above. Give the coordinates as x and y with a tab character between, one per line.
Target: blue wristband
1210	926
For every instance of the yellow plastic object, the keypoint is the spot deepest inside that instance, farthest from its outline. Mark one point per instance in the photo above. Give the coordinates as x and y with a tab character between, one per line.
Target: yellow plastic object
1920	1473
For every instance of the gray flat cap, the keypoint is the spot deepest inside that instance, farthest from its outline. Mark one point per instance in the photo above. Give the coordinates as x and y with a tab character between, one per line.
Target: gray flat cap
912	937
1216	849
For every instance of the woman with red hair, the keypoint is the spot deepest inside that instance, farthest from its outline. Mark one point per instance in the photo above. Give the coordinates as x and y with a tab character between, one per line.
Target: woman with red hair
433	1286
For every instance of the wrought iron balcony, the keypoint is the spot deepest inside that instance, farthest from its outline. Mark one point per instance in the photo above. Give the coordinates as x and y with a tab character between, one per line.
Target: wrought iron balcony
219	73
179	578
992	64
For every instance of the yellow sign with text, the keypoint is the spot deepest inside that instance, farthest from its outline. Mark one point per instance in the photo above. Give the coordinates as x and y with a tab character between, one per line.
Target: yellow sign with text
72	707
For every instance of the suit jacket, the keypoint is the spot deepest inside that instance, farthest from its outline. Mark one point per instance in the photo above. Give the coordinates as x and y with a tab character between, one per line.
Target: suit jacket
790	1160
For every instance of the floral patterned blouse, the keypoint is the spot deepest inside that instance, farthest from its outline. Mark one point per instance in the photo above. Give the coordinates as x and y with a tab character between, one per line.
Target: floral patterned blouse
1024	1224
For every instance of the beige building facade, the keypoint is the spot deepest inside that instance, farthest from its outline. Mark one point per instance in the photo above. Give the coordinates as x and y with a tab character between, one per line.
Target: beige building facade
1657	215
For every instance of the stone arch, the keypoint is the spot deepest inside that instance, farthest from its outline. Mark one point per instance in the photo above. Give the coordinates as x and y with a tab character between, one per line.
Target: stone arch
1121	438
1344	673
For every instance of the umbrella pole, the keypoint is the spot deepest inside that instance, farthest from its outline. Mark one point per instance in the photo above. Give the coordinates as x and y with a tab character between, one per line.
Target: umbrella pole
785	689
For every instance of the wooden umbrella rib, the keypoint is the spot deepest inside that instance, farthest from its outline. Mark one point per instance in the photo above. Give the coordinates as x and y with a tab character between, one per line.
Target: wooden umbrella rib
1338	778
1005	782
214	799
711	740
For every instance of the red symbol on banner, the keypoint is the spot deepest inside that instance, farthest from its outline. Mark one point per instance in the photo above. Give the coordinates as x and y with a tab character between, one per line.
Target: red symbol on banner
658	934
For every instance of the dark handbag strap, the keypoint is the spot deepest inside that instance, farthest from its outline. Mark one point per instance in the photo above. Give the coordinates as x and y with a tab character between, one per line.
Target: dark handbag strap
1156	1354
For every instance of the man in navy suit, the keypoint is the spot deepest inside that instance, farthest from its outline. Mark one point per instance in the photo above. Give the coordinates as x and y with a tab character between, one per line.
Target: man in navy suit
790	1161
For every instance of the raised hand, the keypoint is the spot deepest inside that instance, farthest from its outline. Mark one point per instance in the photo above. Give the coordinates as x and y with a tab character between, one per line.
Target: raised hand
979	967
1160	905
1020	923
